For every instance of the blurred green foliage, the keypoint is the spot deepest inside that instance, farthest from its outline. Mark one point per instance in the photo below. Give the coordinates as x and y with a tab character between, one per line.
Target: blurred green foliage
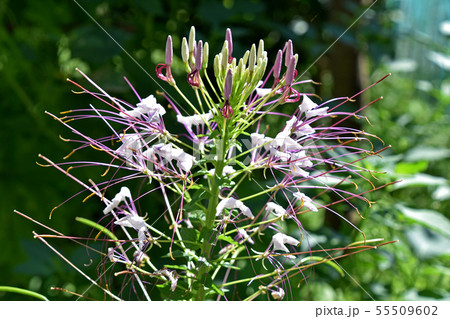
42	42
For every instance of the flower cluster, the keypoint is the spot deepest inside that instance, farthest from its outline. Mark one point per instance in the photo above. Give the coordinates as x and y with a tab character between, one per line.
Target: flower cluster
213	216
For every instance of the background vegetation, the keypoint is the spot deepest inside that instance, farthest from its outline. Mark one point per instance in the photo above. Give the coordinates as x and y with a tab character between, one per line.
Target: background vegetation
41	43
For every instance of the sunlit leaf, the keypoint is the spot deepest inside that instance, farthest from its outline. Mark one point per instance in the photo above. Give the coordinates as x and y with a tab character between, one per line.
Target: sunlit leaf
427	217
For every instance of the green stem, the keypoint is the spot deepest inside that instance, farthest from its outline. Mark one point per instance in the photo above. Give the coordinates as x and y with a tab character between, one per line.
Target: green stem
211	211
23	292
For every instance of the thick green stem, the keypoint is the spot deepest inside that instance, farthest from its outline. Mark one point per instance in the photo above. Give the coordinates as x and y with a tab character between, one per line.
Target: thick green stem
211	211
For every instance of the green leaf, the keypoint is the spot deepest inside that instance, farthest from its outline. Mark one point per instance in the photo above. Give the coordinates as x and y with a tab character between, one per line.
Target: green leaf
191	237
229	265
420	179
99	227
228	239
427	153
411	168
427	217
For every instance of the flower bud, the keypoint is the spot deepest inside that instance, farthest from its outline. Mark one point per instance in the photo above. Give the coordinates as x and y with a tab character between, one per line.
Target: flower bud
260	49
277	65
252	59
169	51
290	72
199	55
225	53
205	55
245	57
228	86
240	69
192	40
217	67
184	51
229	40
288	53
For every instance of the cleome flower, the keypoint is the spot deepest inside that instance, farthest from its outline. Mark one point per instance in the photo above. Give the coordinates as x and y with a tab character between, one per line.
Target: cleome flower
235	139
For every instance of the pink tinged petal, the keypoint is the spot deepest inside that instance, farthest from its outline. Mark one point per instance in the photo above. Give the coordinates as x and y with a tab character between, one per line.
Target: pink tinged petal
279	241
289	126
232	203
120	197
298	161
307	202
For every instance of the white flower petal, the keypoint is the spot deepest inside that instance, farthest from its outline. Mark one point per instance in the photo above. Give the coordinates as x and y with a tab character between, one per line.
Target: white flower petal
279	240
185	161
244	235
147	106
232	203
316	112
130	143
307	104
227	170
120	197
276	209
137	223
194	120
278	294
307	202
